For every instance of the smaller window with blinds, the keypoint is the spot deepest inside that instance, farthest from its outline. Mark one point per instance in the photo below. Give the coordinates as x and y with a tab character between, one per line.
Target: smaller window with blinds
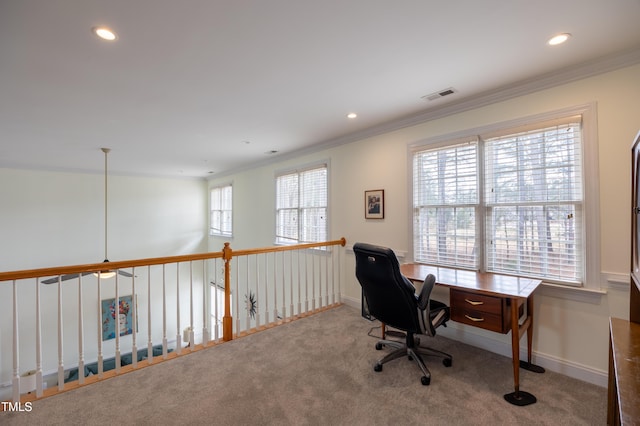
301	205
221	212
445	205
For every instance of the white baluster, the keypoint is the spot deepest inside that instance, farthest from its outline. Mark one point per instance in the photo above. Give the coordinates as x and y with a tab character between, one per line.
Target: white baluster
134	320
60	341
236	312
314	296
306	281
258	310
326	280
205	300
284	290
39	381
117	324
16	364
80	334
216	331
313	281
164	313
338	297
99	310
299	283
275	287
149	341
335	253
266	287
333	280
178	334
190	327
247	300
192	342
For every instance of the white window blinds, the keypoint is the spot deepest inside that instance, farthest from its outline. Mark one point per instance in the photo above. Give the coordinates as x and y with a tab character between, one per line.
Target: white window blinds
445	200
301	206
533	192
221	213
509	202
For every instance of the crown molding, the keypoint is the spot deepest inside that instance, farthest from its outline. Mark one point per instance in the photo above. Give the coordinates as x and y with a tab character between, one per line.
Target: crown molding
523	87
549	80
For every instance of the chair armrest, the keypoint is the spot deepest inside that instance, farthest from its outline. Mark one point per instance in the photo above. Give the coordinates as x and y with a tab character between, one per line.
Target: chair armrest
425	291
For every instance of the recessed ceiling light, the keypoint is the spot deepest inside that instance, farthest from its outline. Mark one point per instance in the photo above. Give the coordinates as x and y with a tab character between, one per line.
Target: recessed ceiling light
558	39
352	115
104	33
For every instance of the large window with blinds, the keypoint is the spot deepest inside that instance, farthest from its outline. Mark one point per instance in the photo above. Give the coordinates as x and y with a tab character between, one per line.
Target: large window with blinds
508	201
221	211
301	205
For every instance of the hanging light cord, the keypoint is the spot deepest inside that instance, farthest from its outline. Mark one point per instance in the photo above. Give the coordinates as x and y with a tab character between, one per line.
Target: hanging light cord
106	151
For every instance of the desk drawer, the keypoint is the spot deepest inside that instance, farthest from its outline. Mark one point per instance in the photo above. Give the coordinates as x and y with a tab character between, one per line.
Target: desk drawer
479	310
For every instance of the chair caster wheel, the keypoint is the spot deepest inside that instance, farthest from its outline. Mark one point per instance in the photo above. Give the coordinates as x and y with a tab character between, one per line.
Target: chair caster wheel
425	380
447	362
377	367
378	346
410	358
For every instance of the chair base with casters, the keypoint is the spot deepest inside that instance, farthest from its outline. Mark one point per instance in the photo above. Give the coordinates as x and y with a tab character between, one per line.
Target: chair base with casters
411	348
391	298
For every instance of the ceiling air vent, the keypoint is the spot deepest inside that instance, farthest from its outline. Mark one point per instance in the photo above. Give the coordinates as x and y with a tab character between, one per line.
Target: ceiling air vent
439	94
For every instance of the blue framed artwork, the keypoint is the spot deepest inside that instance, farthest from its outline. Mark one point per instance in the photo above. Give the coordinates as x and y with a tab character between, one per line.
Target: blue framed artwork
124	312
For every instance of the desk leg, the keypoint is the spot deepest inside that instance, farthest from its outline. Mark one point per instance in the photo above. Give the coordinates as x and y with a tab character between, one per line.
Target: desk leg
518	397
528	365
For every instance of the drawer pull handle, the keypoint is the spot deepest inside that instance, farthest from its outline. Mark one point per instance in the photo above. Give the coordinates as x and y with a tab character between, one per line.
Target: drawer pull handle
474	303
474	319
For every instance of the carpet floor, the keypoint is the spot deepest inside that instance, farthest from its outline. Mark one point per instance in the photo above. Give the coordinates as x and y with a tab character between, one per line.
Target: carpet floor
319	371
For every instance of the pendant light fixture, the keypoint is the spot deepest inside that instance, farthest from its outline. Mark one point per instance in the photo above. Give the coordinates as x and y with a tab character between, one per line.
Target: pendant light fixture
105	273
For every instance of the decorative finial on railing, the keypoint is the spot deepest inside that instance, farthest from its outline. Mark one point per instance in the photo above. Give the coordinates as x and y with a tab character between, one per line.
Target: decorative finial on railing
227	252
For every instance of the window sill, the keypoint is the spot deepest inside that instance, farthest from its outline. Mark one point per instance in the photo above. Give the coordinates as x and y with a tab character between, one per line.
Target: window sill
578	294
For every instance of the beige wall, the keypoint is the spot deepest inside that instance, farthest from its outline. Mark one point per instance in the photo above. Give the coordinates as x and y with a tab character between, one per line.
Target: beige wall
571	327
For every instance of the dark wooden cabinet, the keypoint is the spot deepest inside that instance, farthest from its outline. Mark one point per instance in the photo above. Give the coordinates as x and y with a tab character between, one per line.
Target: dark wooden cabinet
634	300
624	336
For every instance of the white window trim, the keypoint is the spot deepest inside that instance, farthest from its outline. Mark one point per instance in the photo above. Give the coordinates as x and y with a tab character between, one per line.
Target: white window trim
298	169
219	186
591	200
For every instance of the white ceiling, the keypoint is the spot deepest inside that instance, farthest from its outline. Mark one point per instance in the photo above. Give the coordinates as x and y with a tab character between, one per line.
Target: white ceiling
198	86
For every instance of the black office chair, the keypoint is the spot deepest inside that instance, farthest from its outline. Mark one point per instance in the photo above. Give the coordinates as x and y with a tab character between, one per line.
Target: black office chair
392	300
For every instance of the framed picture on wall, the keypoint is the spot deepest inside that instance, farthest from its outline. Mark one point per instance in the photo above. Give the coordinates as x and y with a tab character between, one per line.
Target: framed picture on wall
109	312
374	204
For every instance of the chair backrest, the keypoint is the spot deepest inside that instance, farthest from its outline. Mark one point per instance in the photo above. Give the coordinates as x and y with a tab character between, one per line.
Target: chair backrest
390	296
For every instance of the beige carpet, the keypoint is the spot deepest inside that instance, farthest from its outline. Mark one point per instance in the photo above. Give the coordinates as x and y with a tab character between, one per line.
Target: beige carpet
318	371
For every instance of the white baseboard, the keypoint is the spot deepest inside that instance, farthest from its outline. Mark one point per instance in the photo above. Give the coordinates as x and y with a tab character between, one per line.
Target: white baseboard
468	335
568	368
350	301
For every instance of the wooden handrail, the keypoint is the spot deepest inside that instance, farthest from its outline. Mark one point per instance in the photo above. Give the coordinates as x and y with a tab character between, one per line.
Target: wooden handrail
342	242
97	267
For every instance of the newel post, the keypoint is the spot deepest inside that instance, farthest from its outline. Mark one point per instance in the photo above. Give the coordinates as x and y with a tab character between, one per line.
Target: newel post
227	320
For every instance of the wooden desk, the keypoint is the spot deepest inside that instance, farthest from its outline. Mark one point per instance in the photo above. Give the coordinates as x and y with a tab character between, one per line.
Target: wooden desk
624	373
493	302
